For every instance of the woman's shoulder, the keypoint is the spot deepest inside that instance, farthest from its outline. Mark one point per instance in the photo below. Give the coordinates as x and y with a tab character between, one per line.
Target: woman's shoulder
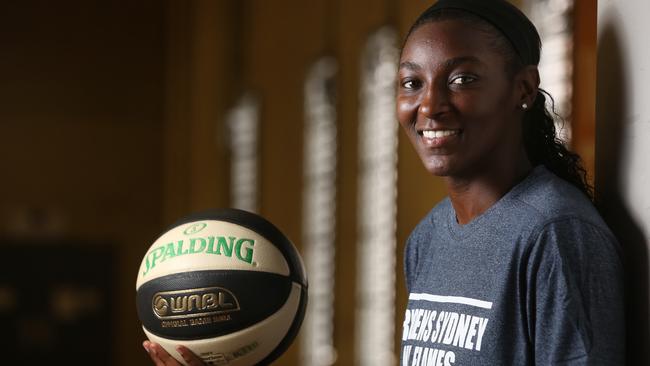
435	218
557	211
552	199
438	215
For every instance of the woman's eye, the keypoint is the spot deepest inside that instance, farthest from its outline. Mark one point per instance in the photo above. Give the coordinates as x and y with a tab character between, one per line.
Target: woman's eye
410	84
462	79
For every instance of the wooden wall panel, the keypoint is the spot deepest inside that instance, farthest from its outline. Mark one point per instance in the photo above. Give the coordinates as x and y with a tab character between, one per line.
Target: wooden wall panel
357	21
583	115
282	40
200	40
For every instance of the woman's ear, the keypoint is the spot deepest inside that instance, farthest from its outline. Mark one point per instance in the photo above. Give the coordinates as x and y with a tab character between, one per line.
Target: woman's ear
528	84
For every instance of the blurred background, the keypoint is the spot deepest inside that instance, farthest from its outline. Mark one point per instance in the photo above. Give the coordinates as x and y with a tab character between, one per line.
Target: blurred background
119	117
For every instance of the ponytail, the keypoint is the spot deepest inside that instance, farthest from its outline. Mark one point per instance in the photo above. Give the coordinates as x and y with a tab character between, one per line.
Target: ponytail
544	147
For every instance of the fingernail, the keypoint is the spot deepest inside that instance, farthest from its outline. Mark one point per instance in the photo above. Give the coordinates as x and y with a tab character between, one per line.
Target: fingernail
183	353
179	349
145	346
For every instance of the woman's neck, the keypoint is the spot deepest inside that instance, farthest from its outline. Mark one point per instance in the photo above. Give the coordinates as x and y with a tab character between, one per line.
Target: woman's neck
470	197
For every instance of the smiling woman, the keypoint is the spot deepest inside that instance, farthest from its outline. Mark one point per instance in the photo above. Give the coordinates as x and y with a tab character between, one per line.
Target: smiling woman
515	267
452	68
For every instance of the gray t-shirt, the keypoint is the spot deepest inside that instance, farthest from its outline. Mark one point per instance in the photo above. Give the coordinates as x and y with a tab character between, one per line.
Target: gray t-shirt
537	279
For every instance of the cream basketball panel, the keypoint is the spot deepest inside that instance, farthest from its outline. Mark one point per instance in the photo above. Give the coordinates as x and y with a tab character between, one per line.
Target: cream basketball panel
208	245
248	346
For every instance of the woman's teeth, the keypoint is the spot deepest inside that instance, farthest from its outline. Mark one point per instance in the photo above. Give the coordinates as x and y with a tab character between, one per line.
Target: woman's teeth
430	134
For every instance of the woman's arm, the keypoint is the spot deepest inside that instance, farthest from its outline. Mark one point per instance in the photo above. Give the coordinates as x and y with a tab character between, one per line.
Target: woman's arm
575	296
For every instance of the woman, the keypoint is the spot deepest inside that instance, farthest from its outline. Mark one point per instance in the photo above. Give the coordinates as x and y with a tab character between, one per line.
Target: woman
515	267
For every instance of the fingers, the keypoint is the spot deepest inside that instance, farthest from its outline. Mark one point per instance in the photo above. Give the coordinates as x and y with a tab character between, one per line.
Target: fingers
152	350
189	356
159	356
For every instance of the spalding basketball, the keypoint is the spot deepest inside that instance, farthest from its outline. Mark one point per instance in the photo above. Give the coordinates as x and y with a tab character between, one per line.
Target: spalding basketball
226	284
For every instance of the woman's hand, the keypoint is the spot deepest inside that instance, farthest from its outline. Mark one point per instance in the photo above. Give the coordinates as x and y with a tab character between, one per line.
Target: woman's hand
160	357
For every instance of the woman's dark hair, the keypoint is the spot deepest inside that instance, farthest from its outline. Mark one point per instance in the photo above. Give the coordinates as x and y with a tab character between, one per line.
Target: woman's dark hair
541	142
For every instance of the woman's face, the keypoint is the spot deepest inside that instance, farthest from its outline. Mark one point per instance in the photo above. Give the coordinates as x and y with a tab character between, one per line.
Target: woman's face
455	100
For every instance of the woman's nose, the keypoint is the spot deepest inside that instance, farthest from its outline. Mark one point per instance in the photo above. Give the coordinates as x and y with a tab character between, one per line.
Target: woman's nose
435	101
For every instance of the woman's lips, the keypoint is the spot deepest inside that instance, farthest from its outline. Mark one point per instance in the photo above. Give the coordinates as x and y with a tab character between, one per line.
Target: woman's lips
439	138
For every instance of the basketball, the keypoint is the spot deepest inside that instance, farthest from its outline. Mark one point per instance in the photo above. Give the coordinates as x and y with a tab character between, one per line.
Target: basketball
227	284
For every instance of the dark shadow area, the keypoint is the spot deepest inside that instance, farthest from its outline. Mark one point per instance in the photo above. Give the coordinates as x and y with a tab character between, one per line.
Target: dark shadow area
57	302
611	126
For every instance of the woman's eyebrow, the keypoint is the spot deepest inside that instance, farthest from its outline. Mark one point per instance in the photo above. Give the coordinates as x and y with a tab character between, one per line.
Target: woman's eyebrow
448	64
410	65
453	62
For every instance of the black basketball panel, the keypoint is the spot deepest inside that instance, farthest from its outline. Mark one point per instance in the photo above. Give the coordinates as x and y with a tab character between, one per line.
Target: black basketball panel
200	304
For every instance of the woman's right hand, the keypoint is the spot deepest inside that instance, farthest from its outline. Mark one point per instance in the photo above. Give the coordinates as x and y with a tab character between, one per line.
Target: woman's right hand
160	357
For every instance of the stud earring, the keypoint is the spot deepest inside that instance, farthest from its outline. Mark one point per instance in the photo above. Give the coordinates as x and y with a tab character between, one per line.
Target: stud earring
524	106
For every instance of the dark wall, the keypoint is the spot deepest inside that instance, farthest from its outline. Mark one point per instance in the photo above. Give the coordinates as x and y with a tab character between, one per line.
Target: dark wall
81	95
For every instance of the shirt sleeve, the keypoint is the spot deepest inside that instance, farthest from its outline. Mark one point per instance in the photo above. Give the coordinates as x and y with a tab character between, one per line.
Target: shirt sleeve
410	261
575	296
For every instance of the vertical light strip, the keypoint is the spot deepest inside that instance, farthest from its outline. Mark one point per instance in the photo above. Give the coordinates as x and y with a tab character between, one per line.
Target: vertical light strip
377	191
553	21
319	212
242	121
